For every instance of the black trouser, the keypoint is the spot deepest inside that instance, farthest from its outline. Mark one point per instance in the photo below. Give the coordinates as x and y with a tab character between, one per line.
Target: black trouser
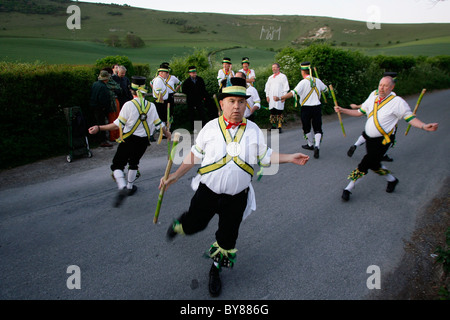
205	204
130	151
375	150
196	112
161	108
311	115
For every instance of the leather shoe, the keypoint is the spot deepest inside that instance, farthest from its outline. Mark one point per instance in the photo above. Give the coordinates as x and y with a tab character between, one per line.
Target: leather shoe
316	153
346	195
351	151
215	285
132	191
391	185
307	147
170	234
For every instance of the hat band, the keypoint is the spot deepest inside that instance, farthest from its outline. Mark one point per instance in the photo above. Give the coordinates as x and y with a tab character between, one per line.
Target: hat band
305	67
226	61
163	70
137	87
237	90
192	70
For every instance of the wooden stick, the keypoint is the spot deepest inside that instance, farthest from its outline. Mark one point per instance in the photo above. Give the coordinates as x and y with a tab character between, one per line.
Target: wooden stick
336	104
323	95
415	109
218	106
176	138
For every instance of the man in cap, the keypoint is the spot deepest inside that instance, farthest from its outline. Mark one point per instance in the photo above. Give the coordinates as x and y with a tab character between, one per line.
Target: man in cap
226	72
383	110
249	73
309	89
227	148
173	85
161	91
196	95
100	102
136	120
276	86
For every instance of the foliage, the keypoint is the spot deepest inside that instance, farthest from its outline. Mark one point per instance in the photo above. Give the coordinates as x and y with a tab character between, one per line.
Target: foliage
444	253
109	61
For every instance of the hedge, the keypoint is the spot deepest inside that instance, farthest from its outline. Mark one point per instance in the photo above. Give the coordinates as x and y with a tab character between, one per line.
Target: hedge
32	96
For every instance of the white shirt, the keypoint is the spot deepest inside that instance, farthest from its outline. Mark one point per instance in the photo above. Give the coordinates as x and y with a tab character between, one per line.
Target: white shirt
276	86
221	75
129	114
172	83
210	146
388	115
253	101
159	86
304	87
250	73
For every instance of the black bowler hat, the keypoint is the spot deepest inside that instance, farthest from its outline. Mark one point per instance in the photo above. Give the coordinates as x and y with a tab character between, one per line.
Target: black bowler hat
138	83
192	69
226	60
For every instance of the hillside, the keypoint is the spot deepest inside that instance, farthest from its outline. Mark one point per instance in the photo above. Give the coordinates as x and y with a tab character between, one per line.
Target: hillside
46	19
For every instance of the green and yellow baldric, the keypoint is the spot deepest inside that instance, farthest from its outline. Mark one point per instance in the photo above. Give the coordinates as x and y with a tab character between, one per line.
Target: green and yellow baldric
374	113
143	109
313	88
227	158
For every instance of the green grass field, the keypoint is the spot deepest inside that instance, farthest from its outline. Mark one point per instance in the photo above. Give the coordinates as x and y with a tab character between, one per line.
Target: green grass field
46	38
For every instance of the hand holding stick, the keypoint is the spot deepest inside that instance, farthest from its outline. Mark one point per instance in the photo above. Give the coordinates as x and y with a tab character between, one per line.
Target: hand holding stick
176	138
336	104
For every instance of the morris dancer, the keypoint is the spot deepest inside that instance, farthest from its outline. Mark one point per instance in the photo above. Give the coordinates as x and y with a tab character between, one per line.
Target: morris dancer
309	89
249	73
383	111
227	147
225	72
137	117
277	85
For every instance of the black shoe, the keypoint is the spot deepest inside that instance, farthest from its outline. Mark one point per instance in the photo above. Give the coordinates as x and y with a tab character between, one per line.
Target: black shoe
307	147
215	285
316	153
391	185
170	232
351	151
387	158
132	191
346	195
122	194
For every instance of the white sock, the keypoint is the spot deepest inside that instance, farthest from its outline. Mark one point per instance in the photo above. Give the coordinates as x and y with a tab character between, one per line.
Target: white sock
310	139
120	179
317	137
390	177
352	184
361	140
131	177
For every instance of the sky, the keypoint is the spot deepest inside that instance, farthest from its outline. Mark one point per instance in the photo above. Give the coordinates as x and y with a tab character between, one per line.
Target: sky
377	11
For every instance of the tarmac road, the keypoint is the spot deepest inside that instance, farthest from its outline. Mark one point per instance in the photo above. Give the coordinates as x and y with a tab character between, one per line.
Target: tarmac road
302	243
